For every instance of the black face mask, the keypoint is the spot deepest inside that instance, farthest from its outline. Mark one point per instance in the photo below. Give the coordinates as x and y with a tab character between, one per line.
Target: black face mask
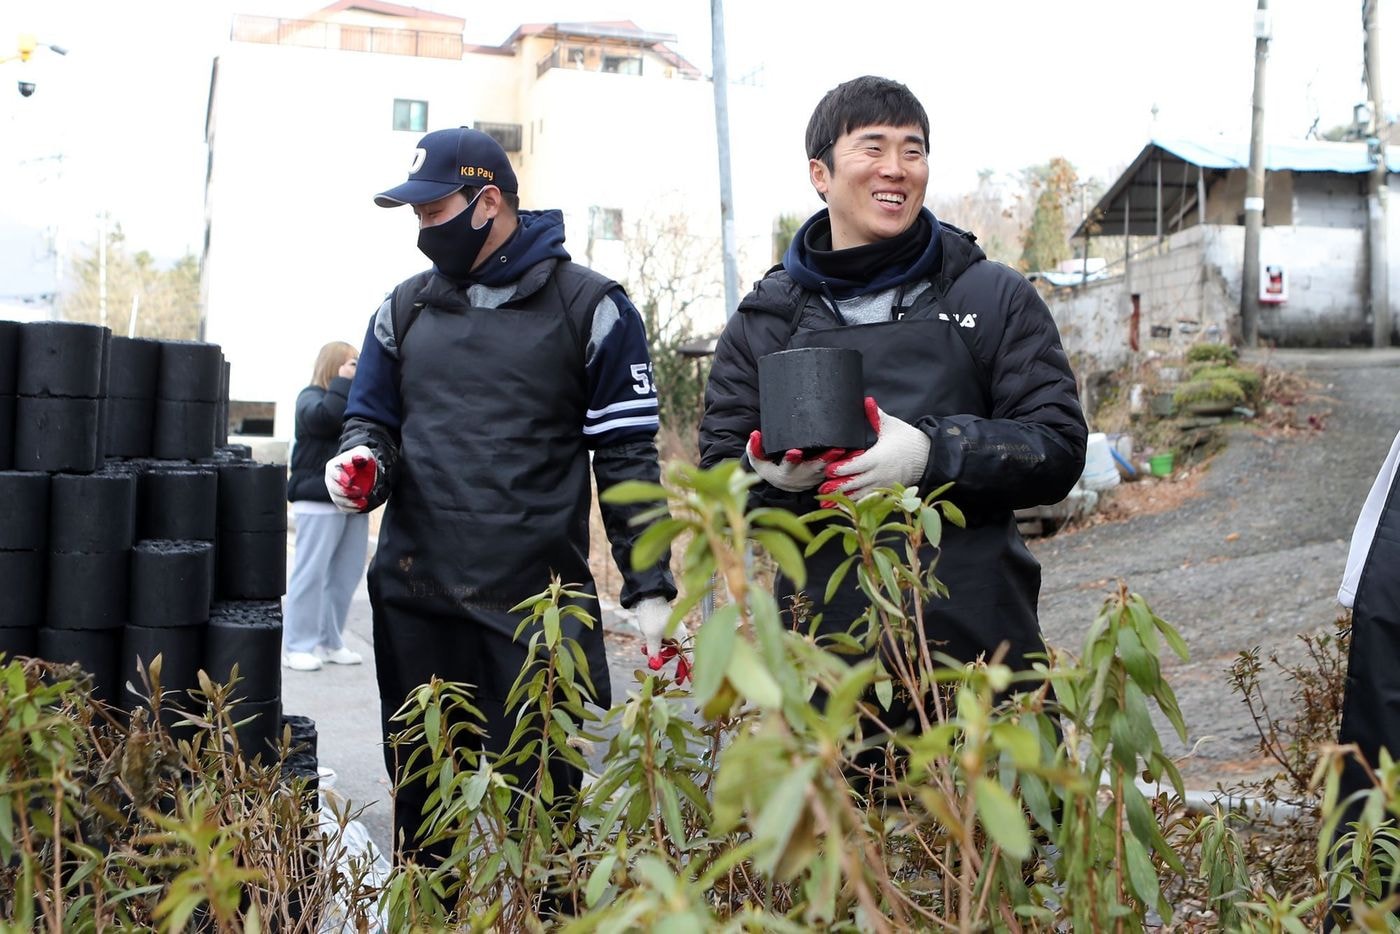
453	246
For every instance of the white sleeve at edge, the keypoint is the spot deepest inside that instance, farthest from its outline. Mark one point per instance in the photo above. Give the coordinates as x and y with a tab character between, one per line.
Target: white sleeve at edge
1365	529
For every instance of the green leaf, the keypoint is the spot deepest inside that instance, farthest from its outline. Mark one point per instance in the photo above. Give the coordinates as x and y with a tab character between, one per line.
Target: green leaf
551	626
633	491
837	576
840	706
475	789
1141	820
652	543
886	571
884	692
432	725
774	824
1141	876
1166	699
785	553
781	519
932	523
821	538
1002	818
1017	741
1172	637
714	644
952	513
750	678
671	813
1141	664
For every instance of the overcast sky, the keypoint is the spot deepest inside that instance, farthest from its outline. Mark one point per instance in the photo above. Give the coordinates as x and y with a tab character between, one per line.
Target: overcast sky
118	123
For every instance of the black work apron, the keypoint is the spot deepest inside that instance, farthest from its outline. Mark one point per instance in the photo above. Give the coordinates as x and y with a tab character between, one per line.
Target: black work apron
1371	698
915	367
491	495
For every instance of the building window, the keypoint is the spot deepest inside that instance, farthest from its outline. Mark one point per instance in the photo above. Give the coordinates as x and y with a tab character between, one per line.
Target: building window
622	64
507	134
411	115
607	223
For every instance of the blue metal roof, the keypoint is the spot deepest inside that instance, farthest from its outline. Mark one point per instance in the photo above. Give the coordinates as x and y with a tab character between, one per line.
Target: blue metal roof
1169	171
1302	155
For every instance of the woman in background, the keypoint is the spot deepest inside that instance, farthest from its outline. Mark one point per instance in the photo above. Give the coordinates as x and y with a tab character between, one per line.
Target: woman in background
330	545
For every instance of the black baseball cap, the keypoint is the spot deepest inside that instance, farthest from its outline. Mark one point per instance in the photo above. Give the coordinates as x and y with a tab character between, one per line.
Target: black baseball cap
450	160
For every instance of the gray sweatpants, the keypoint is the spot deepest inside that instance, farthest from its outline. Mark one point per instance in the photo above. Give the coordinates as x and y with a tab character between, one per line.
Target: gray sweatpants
328	564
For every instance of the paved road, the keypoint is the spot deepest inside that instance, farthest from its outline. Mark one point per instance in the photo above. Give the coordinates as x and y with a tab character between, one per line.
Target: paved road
1254	561
1291	501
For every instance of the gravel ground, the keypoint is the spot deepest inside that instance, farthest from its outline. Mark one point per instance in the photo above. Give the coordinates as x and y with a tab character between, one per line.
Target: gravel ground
1253	560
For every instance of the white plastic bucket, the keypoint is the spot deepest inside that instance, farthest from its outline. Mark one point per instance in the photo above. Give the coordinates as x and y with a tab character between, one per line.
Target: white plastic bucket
1100	473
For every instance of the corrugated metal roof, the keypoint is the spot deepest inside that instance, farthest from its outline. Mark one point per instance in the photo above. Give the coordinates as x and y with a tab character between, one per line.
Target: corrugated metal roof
1171	170
1303	155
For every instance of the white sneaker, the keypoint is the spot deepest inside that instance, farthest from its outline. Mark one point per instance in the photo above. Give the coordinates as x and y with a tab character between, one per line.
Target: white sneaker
301	661
341	656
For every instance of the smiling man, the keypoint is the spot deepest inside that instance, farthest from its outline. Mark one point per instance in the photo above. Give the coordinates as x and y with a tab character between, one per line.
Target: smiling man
964	374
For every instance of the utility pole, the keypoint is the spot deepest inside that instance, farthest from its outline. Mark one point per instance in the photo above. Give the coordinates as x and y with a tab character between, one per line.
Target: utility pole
726	192
1381	321
1254	185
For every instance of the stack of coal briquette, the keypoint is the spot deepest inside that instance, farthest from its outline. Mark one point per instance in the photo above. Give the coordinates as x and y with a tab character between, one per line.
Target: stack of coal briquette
130	528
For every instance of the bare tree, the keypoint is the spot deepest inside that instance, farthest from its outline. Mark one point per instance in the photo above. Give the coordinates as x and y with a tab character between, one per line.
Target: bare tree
996	211
167	300
670	270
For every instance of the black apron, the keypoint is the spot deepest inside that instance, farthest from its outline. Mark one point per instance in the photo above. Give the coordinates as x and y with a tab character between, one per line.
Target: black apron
915	367
1371	698
492	490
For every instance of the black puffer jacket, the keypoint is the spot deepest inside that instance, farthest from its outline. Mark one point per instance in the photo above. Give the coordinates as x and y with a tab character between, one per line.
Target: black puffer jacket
318	417
1025	448
1005	427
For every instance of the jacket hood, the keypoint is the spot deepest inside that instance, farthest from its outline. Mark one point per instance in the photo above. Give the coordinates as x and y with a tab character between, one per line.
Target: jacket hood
538	237
954	251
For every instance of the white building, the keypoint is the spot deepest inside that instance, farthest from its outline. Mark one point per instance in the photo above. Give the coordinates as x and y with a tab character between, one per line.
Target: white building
309	118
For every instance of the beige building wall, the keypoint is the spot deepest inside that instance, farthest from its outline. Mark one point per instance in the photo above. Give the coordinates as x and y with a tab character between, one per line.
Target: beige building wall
301	138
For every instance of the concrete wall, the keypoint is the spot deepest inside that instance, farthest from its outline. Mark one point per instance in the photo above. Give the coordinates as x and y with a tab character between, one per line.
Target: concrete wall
1093	321
1326	282
1329	199
1193	289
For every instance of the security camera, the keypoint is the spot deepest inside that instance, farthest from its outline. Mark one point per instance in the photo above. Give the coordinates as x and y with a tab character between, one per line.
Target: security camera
26	88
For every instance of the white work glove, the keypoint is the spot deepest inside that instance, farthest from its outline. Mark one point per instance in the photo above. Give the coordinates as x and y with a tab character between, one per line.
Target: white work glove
899	455
350	477
792	474
652	614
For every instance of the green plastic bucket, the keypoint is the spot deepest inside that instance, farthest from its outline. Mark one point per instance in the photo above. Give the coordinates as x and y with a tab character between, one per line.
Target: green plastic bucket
1160	464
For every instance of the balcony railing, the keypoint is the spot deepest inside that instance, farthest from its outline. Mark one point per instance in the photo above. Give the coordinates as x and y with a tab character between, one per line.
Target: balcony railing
317	34
612	59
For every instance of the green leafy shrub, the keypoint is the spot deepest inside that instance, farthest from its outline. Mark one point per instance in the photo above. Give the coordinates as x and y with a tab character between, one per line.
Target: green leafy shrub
745	807
1209	392
1218	353
1036	800
1248	378
108	823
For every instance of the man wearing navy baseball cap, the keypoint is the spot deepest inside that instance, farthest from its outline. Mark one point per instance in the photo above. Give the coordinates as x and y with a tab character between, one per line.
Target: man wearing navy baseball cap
484	383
